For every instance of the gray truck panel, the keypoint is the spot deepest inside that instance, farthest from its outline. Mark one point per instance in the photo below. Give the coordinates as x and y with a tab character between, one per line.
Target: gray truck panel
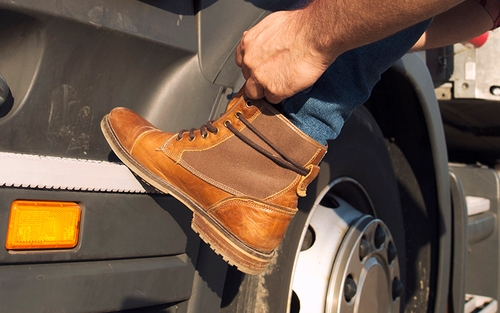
94	286
63	72
415	70
114	226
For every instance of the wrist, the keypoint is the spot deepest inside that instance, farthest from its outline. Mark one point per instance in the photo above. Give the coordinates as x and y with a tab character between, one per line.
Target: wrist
323	29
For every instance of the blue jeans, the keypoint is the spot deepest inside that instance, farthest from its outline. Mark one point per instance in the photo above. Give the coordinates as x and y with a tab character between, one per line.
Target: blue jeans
321	110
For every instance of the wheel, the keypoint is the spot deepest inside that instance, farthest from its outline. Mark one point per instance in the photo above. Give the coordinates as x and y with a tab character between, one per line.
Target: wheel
345	249
348	255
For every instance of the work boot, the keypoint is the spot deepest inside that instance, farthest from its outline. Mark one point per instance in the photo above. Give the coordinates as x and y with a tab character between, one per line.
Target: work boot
241	174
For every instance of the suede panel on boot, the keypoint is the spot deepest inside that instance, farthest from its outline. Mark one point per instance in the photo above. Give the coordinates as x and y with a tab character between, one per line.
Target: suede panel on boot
240	160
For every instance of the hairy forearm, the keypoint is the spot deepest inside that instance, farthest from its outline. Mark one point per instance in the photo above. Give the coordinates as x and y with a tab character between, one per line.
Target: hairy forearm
347	24
289	50
463	22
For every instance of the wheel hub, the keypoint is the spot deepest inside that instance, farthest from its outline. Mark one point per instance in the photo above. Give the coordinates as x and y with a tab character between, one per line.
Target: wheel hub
350	266
365	271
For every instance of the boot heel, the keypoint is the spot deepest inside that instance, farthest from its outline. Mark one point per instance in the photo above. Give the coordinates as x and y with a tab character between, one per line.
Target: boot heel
234	252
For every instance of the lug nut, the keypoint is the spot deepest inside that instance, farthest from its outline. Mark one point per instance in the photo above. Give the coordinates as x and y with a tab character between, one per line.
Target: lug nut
350	288
379	237
364	249
392	252
397	289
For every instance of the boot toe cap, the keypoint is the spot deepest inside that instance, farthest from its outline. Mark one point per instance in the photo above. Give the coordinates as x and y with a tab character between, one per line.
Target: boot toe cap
127	126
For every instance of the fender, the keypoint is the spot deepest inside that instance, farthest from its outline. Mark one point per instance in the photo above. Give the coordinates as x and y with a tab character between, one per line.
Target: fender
414	69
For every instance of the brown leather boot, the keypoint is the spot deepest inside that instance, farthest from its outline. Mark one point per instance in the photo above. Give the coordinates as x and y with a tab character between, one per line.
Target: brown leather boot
241	174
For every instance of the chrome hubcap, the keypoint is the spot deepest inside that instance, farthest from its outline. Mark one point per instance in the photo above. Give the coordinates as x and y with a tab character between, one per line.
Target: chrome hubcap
348	262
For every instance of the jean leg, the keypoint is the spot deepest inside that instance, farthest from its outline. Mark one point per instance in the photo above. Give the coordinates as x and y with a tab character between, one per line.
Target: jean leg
321	110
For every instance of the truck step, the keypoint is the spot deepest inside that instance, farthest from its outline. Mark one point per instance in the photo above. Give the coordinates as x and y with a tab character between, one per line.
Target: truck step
45	172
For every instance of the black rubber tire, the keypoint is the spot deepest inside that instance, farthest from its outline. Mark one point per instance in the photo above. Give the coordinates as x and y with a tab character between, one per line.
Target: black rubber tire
359	153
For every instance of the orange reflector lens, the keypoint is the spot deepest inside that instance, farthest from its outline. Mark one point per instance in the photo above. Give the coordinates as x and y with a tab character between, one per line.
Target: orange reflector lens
43	225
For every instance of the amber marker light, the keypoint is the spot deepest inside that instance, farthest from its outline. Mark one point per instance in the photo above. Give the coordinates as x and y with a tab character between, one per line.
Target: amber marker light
43	225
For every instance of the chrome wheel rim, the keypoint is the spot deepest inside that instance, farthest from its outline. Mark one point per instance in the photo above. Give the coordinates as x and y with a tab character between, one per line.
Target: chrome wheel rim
348	261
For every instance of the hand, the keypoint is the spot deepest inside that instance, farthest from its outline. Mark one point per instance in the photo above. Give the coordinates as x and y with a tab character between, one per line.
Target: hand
289	50
278	57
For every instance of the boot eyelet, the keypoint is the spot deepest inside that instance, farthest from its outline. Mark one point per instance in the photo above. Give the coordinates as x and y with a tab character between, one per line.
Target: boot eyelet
204	136
216	131
178	138
226	123
248	103
191	139
238	114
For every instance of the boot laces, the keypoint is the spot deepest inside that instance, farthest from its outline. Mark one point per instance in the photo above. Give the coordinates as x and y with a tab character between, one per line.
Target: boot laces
203	130
285	161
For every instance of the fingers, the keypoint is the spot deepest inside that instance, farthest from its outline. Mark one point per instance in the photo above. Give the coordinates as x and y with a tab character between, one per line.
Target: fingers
239	51
271	98
253	89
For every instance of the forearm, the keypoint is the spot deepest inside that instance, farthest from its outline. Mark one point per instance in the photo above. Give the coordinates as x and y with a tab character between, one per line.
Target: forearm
289	50
461	23
348	24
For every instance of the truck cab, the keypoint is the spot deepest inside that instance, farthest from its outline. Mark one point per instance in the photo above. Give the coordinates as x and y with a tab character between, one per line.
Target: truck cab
402	217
